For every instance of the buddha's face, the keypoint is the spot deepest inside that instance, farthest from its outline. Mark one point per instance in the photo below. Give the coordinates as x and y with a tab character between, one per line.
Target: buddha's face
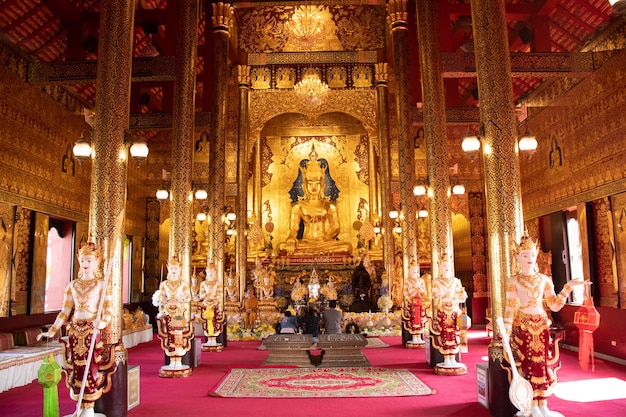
313	184
211	273
88	265
414	272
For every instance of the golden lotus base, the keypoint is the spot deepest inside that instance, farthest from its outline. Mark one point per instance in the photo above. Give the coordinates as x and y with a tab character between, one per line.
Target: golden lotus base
459	369
212	348
413	345
174	373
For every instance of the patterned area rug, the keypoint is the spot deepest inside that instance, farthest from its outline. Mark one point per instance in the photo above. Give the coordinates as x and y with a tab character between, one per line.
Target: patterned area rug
320	382
375	342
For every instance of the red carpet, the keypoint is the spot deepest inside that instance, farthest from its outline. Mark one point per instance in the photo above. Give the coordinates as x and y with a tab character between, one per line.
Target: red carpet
456	396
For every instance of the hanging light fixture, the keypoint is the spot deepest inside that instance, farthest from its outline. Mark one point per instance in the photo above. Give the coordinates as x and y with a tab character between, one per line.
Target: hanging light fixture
311	87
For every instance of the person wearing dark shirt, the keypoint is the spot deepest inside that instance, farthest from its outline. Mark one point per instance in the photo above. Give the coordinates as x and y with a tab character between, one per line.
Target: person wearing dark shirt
312	322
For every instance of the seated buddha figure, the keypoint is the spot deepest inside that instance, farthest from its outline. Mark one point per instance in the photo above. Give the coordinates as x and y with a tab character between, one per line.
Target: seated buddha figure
314	212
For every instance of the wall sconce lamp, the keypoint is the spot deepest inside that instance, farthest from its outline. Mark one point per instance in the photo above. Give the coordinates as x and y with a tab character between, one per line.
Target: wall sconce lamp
82	147
163	193
229	220
458	189
422	213
420	189
138	149
528	143
201	194
471	145
395	216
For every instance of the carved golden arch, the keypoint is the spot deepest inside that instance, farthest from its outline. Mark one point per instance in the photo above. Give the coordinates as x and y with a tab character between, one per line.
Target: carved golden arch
265	105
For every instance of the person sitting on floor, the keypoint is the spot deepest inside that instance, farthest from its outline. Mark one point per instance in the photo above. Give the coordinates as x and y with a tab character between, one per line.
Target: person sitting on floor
332	318
289	324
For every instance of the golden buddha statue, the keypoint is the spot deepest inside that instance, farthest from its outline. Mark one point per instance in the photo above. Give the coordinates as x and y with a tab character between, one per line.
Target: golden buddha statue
316	212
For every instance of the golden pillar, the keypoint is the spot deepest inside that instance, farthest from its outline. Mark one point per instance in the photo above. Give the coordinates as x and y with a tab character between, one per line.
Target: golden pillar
501	167
397	20
243	79
434	111
221	19
183	136
499	142
108	174
386	203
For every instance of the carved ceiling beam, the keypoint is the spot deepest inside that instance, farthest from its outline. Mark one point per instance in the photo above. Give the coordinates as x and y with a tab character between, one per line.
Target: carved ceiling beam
159	68
163	121
523	64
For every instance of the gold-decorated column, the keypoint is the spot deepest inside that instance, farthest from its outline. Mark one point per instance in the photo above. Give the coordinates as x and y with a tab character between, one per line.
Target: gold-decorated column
397	19
221	19
243	80
386	203
501	169
183	135
108	174
434	110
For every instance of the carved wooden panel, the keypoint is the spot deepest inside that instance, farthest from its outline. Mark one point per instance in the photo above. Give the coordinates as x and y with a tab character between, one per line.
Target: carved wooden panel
7	216
40	251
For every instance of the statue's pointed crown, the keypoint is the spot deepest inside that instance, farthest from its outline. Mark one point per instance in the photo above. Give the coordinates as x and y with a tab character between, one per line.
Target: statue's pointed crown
174	260
90	248
313	166
526	243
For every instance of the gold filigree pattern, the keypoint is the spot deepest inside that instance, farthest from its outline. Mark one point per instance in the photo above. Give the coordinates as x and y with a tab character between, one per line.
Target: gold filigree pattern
218	133
268	104
183	138
501	164
351	28
406	161
477	233
434	110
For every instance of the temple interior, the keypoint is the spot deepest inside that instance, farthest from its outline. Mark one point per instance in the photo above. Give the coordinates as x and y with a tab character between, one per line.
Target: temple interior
312	151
